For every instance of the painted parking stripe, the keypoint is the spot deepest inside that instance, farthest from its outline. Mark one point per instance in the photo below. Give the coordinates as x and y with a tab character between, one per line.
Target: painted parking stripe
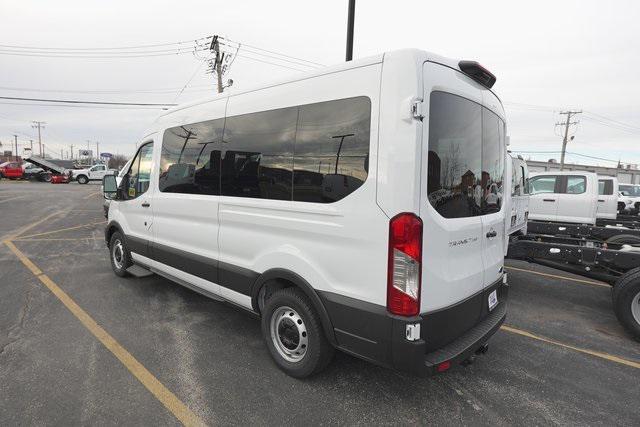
606	356
59	230
28	227
555	276
142	374
8	199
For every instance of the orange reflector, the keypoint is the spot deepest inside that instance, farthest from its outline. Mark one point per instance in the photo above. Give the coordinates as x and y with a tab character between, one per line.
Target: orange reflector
443	366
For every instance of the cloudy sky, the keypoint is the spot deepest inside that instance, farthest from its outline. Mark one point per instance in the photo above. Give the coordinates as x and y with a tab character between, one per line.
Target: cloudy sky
547	56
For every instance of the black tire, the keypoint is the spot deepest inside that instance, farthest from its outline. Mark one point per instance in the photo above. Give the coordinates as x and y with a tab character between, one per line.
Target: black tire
82	179
626	292
624	239
45	177
120	257
317	352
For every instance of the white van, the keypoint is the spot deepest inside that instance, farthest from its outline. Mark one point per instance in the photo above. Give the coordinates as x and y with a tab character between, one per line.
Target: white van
308	202
568	196
607	197
518	203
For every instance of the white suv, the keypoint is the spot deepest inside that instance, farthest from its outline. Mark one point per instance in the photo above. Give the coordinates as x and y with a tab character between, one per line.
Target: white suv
358	207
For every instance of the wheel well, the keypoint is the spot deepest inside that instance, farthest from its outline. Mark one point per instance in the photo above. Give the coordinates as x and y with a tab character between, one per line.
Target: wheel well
110	230
273	280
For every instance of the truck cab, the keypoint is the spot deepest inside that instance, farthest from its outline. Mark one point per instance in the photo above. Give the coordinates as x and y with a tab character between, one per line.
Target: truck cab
570	196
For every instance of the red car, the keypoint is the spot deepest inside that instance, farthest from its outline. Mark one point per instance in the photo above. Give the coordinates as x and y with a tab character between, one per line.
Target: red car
11	170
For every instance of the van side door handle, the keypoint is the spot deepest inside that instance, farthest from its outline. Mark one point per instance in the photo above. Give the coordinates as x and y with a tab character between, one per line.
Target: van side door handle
491	234
548	200
145	205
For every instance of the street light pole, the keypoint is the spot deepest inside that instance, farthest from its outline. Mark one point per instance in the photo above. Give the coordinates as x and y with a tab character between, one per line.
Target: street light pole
350	19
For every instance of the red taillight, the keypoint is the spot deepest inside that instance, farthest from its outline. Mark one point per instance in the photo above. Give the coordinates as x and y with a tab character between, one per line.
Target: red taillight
404	269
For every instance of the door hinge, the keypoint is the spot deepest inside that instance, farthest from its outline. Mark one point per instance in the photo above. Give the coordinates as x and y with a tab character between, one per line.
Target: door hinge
417	109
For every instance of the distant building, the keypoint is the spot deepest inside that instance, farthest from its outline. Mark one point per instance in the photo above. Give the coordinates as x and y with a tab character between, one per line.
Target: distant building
629	174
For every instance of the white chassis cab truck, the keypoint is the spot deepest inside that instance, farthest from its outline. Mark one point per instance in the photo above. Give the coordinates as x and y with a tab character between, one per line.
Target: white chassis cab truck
518	203
565	233
357	207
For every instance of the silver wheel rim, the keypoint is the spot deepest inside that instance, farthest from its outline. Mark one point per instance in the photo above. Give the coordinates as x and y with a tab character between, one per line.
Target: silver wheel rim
635	308
289	334
118	254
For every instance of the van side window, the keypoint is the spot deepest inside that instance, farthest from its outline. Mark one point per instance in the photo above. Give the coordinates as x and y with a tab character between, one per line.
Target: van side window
190	158
257	157
542	184
492	161
331	150
139	176
576	184
605	187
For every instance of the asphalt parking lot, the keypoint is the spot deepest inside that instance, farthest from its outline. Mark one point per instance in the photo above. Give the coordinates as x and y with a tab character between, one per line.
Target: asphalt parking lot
79	345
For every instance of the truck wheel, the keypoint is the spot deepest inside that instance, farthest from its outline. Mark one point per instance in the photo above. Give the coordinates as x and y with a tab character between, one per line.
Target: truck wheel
293	333
119	254
45	177
624	239
82	179
626	301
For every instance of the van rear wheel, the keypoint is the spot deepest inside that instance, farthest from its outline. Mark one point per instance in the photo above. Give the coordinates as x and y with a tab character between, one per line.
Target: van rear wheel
293	334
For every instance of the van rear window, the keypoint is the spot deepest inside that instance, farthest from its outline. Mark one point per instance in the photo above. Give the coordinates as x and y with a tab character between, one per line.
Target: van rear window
465	168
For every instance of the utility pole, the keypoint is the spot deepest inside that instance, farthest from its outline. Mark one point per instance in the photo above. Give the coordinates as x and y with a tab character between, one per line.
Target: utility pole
15	137
97	150
31	145
350	21
39	125
566	138
215	47
71	151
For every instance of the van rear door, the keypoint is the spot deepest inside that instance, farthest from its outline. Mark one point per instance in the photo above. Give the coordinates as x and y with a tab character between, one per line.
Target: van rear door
450	208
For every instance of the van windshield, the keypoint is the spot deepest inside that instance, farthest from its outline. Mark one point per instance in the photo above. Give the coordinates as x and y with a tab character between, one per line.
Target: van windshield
465	167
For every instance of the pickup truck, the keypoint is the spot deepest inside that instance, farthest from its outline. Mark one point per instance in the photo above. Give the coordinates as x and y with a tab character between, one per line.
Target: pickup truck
630	193
94	173
11	170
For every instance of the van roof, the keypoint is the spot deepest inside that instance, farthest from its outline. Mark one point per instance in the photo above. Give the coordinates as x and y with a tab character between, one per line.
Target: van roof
416	55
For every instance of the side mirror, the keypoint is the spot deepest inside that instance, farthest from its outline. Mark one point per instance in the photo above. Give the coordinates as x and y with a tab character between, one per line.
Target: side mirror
109	187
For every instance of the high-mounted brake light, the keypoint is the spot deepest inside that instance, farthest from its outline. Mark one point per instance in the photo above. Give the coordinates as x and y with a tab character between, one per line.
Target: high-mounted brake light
405	261
478	73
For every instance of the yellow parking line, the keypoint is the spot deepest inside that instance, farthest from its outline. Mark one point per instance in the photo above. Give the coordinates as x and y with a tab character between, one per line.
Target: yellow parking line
77	239
63	229
555	276
95	193
605	356
12	198
28	227
164	395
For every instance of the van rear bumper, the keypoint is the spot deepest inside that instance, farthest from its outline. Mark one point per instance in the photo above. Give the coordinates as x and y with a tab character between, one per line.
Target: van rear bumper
369	332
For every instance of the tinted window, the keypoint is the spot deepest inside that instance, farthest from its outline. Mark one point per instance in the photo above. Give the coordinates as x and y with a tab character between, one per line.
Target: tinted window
454	178
137	180
190	158
542	184
332	149
576	184
258	154
629	190
605	187
492	161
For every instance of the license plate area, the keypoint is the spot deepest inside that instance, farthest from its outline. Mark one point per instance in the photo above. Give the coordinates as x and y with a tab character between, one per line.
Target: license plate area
493	299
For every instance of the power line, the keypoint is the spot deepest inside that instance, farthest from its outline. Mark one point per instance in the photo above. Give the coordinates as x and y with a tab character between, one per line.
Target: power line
98	56
102	48
73	101
300	62
245	45
82	106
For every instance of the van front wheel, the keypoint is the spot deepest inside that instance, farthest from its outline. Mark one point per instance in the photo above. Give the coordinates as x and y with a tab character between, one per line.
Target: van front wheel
294	335
119	254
